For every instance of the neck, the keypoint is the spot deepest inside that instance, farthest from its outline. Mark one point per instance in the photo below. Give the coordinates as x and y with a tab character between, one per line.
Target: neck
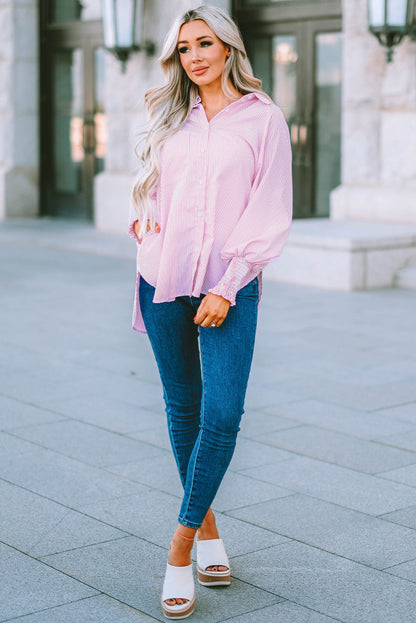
212	95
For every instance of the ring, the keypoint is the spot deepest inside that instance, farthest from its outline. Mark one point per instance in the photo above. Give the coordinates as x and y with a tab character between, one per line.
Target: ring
213	324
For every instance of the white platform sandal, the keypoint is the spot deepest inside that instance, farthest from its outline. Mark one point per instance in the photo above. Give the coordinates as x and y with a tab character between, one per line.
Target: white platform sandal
178	584
211	553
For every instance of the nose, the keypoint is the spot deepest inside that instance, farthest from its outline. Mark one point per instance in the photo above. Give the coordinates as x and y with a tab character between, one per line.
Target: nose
195	53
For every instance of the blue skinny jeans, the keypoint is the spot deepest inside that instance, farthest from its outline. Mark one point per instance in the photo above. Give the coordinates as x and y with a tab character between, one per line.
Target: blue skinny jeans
204	373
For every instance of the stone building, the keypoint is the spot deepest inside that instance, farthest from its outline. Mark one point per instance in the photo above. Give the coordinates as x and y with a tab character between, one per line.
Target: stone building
70	120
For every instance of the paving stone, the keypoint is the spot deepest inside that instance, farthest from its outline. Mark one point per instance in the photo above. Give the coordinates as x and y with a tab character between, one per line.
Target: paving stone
23	582
87	443
132	571
340	449
158	521
362	492
406	570
404	517
355	422
404	440
114	415
259	398
283	612
159	473
156	436
250	453
56	528
353	396
12	447
406	475
404	412
14	414
257	423
236	490
65	480
339	588
356	536
89	610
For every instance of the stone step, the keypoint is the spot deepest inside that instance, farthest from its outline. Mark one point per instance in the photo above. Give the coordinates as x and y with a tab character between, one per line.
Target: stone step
344	255
406	277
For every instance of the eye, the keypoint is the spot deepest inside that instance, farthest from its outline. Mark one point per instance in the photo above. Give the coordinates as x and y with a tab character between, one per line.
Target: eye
205	44
182	50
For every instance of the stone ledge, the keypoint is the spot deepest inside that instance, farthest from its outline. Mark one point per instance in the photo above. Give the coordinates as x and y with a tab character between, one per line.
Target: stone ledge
344	255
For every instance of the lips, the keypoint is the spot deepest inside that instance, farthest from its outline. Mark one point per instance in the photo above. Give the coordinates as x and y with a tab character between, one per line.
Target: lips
199	70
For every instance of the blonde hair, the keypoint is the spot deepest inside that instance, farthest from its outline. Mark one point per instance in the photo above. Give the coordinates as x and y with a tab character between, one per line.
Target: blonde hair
169	106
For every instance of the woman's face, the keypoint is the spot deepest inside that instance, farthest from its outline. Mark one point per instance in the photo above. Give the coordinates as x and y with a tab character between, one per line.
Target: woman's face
202	54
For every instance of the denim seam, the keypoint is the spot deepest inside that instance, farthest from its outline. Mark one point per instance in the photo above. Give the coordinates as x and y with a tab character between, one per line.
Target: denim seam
199	445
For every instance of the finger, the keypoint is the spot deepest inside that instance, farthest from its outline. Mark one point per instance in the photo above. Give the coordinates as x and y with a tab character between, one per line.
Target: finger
208	321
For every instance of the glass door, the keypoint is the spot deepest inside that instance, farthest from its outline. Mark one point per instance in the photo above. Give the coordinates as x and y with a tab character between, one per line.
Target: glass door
300	64
73	120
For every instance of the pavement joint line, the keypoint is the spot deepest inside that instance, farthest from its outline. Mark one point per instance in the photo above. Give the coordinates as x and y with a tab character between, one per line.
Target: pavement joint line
234	617
73	458
289	601
399	564
98	591
318	460
66	603
327	551
42	562
74	549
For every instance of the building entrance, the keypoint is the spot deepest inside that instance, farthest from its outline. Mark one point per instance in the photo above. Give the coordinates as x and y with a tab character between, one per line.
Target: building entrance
73	120
295	47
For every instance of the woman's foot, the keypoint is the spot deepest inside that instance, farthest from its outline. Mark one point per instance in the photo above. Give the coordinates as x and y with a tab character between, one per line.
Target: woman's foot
180	555
209	531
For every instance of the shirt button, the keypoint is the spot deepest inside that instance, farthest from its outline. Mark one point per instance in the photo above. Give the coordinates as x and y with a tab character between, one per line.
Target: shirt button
202	150
201	181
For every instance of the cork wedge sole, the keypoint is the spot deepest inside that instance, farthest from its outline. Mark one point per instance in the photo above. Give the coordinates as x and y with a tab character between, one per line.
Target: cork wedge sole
211	553
178	584
216	579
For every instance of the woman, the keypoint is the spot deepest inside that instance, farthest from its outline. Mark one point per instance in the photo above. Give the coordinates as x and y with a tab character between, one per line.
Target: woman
214	207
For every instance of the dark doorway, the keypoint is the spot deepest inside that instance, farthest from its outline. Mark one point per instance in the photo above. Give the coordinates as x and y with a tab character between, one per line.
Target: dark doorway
295	47
73	122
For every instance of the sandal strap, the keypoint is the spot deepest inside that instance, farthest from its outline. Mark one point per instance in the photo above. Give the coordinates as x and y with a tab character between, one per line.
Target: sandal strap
178	583
211	553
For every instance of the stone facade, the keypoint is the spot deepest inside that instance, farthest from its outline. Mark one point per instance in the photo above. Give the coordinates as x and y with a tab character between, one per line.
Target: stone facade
379	126
19	94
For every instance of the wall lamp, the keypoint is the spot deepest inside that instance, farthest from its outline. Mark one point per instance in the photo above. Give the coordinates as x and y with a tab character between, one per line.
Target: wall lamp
121	21
390	21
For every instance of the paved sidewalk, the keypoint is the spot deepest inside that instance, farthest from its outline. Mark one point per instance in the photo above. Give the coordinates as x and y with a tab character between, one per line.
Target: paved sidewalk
318	509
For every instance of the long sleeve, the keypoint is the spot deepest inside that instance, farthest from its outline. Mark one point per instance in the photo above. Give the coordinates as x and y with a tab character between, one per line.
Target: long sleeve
263	227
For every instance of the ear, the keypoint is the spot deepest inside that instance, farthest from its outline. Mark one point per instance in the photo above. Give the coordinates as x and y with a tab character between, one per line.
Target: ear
228	52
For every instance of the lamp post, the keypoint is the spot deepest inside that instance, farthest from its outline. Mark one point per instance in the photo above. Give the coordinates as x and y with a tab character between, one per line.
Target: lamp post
390	21
119	22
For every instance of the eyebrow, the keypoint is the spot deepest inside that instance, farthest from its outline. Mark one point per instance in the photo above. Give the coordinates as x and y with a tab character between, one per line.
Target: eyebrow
198	39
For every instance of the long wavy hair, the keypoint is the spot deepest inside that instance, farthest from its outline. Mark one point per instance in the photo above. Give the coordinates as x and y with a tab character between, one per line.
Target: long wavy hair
169	106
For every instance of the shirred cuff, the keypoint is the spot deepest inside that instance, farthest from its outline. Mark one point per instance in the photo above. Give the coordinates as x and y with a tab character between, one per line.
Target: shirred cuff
231	281
131	231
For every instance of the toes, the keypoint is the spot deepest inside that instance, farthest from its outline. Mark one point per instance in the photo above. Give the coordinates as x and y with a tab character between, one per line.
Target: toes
217	568
176	602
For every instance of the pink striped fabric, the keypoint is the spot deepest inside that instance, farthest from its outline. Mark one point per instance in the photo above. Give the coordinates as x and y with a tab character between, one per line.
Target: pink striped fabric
224	201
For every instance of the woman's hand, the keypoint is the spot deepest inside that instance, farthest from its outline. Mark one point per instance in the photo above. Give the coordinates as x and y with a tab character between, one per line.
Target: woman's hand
213	309
136	228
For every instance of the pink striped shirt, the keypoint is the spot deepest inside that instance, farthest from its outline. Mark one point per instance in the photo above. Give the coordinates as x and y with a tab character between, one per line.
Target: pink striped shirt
224	201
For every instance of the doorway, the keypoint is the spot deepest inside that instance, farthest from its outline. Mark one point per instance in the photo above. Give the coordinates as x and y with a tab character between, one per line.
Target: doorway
73	119
295	47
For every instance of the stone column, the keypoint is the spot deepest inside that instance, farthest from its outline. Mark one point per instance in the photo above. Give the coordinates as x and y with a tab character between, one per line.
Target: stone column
19	141
126	114
379	126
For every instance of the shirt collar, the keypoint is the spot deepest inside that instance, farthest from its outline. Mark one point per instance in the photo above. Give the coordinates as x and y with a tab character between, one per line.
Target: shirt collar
261	96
